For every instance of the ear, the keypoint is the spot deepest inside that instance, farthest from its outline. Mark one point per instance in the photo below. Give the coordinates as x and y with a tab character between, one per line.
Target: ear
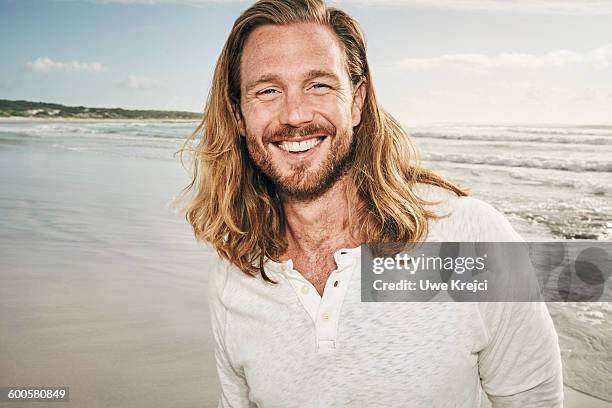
239	120
359	95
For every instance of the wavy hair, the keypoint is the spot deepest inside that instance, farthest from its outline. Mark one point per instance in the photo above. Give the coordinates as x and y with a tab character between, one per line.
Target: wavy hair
235	207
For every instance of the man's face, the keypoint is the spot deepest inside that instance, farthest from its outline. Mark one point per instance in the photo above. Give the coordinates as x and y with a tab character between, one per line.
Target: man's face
298	107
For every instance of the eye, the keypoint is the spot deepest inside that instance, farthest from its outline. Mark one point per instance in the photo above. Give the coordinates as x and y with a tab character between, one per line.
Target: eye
319	85
268	93
319	88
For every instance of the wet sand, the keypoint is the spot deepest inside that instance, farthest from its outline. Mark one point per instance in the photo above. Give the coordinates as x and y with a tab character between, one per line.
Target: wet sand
103	288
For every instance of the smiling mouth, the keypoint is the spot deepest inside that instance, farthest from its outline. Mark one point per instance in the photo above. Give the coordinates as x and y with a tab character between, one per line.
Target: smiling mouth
299	147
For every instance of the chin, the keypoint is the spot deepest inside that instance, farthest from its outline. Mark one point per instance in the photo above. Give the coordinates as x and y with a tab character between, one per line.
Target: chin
306	185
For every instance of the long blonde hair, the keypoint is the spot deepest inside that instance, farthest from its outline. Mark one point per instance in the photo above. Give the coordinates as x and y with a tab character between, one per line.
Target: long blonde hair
236	208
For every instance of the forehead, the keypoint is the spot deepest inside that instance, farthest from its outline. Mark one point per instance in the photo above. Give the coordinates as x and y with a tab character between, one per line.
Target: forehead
291	50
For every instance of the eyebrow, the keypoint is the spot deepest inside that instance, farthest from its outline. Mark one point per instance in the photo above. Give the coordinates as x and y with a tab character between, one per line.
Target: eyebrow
262	79
318	73
313	73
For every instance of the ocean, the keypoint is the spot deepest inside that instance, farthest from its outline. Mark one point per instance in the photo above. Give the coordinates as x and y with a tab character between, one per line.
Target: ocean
92	248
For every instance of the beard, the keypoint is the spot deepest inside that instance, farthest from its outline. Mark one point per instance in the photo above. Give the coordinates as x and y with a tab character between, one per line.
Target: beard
303	181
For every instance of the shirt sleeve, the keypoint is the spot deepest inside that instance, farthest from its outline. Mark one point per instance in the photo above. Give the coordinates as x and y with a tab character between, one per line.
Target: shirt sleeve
520	363
234	388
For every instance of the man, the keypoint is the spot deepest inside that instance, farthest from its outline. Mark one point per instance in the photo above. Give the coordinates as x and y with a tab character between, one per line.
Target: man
297	166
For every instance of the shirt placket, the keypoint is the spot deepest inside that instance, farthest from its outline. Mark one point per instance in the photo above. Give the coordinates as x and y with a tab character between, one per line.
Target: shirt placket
324	311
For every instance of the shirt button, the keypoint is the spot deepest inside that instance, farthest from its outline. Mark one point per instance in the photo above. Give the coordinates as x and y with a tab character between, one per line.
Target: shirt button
305	289
325	316
335	284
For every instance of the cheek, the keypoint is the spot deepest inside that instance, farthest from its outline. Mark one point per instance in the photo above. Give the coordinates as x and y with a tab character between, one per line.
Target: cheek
336	110
257	120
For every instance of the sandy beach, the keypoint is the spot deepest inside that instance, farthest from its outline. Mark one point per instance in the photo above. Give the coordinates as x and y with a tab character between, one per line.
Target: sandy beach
102	286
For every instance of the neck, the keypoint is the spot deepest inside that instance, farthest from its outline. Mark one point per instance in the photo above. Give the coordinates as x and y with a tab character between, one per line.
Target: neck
319	225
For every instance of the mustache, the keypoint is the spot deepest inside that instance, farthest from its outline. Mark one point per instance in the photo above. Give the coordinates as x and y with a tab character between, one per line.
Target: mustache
288	132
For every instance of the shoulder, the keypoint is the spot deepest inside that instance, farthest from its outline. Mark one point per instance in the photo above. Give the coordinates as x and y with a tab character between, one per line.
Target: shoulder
233	291
464	218
218	277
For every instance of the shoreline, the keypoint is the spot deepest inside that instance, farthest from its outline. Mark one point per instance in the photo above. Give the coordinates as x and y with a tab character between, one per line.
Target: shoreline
21	119
408	126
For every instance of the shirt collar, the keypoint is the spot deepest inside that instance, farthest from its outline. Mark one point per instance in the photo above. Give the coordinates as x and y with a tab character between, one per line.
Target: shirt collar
343	257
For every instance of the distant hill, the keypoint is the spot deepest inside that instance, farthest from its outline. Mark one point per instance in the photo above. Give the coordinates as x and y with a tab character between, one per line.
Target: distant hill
27	109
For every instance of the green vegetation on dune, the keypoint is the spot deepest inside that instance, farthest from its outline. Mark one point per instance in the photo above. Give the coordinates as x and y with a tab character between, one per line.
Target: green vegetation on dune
27	109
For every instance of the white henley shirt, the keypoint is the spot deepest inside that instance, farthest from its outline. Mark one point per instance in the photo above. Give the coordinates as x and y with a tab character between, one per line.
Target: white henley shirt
284	346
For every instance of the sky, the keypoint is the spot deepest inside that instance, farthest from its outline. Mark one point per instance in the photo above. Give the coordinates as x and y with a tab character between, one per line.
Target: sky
468	61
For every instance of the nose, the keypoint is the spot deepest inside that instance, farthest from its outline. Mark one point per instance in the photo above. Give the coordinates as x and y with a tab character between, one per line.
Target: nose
295	110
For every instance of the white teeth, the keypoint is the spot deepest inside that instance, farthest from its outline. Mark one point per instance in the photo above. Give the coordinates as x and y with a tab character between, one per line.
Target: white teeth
300	146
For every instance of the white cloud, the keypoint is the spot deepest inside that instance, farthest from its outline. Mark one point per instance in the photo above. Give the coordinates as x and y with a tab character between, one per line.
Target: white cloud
507	102
522	6
193	3
569	7
139	83
44	64
600	58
